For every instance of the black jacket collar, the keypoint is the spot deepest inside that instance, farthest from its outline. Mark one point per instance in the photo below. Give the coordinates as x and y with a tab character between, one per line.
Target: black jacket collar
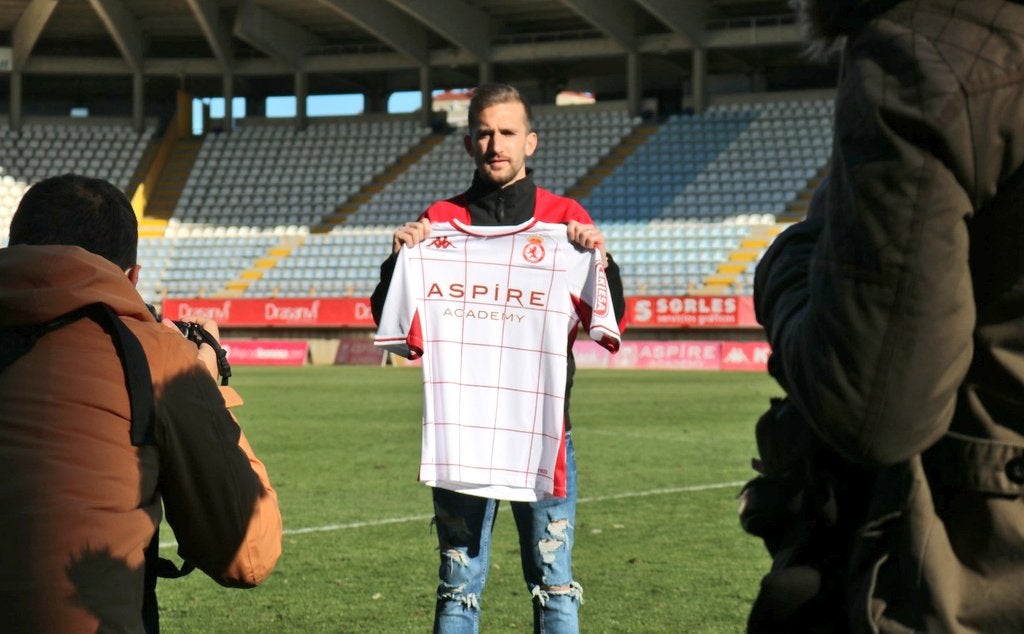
492	205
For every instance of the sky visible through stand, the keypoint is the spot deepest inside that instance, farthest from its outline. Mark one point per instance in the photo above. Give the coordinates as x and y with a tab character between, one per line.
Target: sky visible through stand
316	106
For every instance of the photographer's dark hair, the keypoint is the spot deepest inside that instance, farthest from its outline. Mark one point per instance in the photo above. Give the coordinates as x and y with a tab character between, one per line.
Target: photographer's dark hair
80	211
489	95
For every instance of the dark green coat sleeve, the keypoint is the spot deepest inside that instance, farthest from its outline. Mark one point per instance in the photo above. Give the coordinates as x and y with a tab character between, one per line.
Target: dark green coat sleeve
868	305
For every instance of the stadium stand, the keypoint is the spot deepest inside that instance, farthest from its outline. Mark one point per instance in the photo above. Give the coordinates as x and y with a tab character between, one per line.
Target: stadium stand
338	264
440	174
695	206
572	140
669	256
108	149
11	191
733	159
196	266
253	194
272	175
346	261
689	211
270	210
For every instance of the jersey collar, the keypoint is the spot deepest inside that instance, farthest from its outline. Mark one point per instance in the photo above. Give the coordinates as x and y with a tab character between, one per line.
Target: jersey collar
492	231
492	205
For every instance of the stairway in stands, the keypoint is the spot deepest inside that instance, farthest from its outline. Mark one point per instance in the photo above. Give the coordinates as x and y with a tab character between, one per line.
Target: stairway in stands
611	161
343	211
729	275
160	205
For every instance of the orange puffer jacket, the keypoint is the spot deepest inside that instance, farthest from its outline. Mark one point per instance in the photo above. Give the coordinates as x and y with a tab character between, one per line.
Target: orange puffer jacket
80	503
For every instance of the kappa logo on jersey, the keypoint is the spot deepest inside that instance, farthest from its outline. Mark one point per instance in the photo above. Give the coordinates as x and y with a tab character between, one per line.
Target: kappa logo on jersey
534	251
441	243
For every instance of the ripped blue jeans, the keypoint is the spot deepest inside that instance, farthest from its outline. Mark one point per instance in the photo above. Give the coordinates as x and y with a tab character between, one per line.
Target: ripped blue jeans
464	529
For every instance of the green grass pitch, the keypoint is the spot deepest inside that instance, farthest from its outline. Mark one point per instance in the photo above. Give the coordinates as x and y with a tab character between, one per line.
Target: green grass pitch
661	456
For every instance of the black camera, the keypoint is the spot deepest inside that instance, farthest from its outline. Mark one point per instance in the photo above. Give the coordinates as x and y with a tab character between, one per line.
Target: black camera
191	330
194	332
199	335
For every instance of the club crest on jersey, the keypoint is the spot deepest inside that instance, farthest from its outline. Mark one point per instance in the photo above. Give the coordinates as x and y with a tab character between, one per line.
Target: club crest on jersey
441	243
534	251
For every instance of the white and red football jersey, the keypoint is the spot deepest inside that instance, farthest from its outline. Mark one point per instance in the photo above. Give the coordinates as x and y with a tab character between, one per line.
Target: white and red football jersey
493	311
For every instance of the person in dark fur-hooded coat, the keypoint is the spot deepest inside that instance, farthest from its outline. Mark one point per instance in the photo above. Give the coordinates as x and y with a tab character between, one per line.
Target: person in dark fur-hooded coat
895	311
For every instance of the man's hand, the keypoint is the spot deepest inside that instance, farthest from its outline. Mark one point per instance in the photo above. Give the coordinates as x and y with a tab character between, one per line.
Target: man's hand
587	237
410	234
206	352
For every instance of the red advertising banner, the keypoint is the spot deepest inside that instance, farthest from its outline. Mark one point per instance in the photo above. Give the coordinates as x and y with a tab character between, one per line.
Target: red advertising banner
675	355
728	311
276	312
683	311
668	355
747	355
590	355
265	352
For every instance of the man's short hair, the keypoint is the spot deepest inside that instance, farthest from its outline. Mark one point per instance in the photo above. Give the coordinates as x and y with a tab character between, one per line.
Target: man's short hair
489	95
80	211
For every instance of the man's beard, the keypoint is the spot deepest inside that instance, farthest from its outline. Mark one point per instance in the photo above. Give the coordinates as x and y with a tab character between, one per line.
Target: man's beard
498	178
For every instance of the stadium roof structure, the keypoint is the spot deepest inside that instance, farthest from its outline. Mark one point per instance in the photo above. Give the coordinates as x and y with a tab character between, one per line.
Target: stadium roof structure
103	54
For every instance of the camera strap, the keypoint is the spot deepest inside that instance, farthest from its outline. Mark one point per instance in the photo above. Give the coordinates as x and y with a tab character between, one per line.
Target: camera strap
136	373
223	367
16	342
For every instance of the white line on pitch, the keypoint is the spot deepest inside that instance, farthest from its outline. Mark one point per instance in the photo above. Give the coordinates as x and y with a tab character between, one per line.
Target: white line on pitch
422	518
642	435
640	494
339	527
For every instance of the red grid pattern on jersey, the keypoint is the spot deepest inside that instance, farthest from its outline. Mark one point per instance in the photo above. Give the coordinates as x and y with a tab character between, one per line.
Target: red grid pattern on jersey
495	317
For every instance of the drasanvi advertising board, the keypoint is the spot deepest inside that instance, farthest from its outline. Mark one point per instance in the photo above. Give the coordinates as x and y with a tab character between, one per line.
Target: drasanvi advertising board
276	312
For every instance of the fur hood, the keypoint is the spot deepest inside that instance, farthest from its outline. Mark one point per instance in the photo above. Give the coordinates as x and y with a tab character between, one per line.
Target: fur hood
826	22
